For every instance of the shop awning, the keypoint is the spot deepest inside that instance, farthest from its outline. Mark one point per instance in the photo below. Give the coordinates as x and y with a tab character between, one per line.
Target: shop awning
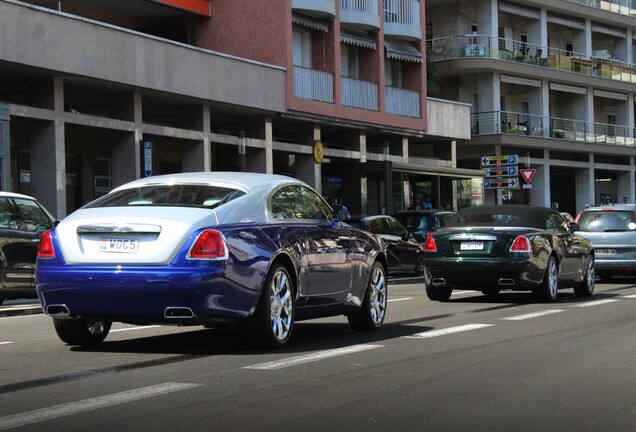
402	50
523	11
564	21
312	23
357	37
608	30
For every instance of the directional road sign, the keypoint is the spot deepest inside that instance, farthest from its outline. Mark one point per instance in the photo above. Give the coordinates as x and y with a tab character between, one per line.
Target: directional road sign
499	160
510	183
504	171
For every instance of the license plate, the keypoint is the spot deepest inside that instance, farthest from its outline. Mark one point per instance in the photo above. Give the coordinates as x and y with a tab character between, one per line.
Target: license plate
118	245
474	245
605	251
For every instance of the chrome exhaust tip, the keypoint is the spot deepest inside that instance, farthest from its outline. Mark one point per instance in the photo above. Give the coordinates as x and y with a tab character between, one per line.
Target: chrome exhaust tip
57	311
439	281
506	281
178	312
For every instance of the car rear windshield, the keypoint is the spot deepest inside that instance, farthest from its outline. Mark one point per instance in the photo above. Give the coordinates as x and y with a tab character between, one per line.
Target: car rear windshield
606	221
488	219
204	196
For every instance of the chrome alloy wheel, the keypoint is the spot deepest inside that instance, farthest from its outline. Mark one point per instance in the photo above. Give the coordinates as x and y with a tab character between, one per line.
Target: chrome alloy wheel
553	283
281	305
377	295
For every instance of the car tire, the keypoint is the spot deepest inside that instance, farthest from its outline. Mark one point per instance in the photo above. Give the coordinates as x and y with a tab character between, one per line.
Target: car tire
586	287
273	321
438	293
371	314
1	300
81	332
491	291
547	290
420	267
606	276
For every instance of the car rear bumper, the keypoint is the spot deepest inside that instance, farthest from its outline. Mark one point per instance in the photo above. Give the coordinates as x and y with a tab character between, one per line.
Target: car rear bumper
145	294
615	265
480	274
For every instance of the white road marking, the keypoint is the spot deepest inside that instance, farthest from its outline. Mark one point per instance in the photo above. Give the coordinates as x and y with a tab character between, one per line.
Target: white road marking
533	315
463	292
630	296
5	343
71	408
595	303
134	328
400	299
320	355
447	331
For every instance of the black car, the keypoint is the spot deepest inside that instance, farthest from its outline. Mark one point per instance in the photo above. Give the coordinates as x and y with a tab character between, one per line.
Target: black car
22	222
510	247
404	253
420	223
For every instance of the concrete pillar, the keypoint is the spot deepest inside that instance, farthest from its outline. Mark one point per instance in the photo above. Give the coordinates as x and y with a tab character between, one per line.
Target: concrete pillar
585	186
624	185
489	91
582	42
196	155
5	147
260	159
545	107
588	115
307	169
48	158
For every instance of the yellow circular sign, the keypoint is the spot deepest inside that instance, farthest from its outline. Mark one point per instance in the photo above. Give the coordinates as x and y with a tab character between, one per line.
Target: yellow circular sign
318	151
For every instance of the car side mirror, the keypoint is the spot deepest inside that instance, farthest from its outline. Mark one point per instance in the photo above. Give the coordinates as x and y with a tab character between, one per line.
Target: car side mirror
341	213
574	226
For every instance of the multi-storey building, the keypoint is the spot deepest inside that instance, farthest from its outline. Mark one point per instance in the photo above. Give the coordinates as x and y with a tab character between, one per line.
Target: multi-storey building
94	93
553	82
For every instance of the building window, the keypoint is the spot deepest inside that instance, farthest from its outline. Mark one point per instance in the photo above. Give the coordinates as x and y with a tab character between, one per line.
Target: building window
349	61
103	176
569	47
392	73
302	48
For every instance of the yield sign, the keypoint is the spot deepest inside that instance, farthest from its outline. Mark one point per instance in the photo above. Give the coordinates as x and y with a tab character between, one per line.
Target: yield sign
527	174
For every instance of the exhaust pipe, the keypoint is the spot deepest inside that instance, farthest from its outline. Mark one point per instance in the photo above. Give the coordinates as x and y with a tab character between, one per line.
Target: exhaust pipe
178	312
506	281
57	311
439	281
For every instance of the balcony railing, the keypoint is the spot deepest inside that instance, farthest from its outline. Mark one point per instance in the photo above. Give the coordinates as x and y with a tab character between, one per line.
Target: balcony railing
513	123
402	19
313	84
359	94
623	7
402	102
361	13
484	46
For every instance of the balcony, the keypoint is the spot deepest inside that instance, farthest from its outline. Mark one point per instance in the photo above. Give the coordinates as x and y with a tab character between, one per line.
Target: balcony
317	8
359	94
512	123
362	14
313	84
402	19
402	102
484	46
622	7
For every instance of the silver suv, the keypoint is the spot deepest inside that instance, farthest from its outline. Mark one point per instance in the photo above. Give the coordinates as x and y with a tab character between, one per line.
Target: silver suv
612	230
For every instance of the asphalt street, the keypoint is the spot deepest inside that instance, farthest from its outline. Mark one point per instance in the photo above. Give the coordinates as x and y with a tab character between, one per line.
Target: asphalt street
474	363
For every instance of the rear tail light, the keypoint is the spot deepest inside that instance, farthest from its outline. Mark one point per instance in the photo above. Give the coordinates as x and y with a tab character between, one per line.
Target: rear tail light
209	245
45	248
521	244
429	244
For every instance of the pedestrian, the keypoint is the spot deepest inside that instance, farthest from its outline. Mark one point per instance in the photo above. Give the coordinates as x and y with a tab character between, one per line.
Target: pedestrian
427	204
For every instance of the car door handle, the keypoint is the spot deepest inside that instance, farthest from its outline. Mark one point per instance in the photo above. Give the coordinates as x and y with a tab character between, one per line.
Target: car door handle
346	238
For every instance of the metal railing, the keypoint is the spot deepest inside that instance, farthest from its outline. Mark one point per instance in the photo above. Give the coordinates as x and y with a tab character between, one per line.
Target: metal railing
513	123
485	46
623	7
402	102
359	94
402	12
313	84
370	6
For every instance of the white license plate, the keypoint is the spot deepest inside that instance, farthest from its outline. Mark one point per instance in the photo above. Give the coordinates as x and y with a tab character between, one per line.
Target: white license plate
605	251
118	245
475	245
